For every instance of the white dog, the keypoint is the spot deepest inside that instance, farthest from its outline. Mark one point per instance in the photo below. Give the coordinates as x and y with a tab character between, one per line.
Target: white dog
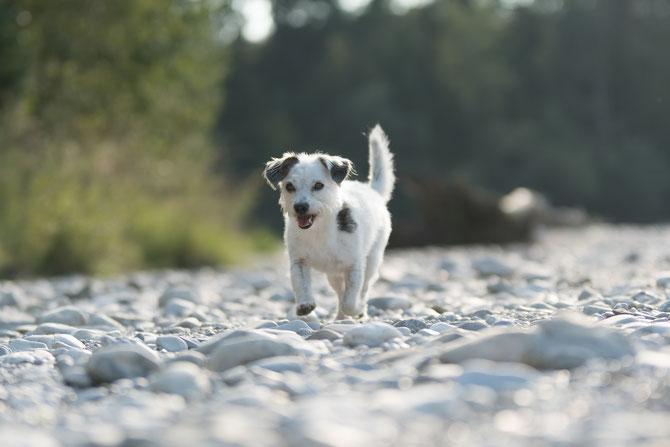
334	225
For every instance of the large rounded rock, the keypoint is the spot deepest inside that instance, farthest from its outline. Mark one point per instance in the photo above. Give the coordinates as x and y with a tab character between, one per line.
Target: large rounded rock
371	334
121	361
562	343
243	350
182	378
68	315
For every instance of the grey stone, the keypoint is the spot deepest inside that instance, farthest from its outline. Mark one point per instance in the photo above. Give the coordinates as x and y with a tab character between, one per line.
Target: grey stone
413	324
12	295
390	303
492	267
19	345
183	378
325	334
68	315
189	356
53	328
242	351
121	361
178	307
297	326
472	325
561	343
103	321
171	343
370	334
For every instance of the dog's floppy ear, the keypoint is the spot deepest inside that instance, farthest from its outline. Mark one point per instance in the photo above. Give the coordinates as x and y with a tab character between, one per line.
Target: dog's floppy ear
340	168
277	169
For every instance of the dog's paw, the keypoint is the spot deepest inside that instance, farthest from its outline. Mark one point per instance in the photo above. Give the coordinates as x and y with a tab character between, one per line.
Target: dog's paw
304	309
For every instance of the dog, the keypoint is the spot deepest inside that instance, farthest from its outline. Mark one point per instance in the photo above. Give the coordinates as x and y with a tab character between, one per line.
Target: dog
334	225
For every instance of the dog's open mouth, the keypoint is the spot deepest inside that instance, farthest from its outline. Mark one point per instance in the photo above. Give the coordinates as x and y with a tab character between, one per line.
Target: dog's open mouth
306	221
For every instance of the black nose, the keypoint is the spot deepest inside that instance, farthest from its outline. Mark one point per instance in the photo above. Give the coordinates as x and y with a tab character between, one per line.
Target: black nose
301	208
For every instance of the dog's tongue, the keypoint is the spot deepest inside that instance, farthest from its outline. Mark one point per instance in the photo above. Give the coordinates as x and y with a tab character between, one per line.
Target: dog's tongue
304	221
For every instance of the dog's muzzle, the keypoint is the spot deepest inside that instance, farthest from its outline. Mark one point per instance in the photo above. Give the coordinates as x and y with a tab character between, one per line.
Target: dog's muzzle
305	220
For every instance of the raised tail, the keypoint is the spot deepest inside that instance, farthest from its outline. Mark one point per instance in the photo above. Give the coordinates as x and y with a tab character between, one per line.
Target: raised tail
382	177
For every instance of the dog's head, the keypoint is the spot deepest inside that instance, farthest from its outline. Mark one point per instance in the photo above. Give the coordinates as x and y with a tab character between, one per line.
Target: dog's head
309	184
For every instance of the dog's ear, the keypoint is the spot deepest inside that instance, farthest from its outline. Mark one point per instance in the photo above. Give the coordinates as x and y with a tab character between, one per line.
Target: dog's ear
340	168
277	169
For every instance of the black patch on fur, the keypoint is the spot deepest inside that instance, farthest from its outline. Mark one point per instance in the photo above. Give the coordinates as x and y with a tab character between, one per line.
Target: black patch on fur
339	167
345	222
277	169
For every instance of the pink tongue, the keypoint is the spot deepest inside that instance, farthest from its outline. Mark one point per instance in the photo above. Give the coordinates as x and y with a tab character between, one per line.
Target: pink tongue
304	221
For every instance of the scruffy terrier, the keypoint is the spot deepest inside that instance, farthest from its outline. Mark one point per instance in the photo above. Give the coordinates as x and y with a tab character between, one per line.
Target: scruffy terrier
334	225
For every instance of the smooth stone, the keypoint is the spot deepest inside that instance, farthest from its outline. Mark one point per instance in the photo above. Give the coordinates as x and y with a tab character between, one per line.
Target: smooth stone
404	331
498	376
121	361
492	267
76	376
211	344
178	307
565	342
325	334
188	323
12	295
370	334
473	325
53	328
665	307
88	334
297	326
103	321
427	333
178	292
4	350
592	309
413	324
182	378
266	325
390	303
68	315
19	345
52	340
281	364
663	282
171	343
36	357
646	298
241	351
194	357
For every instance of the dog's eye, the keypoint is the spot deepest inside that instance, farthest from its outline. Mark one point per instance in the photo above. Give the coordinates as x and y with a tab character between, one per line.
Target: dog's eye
290	187
318	186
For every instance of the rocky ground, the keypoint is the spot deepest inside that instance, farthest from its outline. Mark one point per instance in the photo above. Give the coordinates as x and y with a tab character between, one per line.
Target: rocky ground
564	342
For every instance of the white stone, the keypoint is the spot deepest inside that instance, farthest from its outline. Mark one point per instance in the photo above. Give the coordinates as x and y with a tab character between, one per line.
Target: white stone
182	378
121	361
370	334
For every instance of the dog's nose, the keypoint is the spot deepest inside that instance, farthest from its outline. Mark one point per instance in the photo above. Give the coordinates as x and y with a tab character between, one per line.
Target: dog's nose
301	208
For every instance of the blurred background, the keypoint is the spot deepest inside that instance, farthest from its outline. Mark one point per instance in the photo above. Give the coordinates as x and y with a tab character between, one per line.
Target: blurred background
133	132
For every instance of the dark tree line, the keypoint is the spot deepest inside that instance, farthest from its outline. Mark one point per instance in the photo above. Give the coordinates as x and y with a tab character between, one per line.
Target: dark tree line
571	98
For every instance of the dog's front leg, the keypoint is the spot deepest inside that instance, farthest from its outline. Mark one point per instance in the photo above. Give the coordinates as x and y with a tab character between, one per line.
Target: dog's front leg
301	279
352	290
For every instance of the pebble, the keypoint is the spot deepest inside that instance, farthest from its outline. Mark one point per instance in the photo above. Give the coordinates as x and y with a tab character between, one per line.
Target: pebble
53	328
68	315
413	324
390	303
325	334
171	343
121	361
370	334
492	267
472	325
26	345
297	326
182	378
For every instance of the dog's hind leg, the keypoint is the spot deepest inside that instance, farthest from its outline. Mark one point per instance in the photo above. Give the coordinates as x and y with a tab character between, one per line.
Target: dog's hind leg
301	280
372	265
350	303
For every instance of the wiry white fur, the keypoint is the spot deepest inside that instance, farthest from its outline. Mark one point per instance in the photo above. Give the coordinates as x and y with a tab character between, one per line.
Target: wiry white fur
350	259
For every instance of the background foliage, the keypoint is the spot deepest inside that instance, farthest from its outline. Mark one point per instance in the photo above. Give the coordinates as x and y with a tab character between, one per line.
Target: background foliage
132	131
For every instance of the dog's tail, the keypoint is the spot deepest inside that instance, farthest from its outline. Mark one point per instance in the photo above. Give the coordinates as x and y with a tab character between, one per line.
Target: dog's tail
382	177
